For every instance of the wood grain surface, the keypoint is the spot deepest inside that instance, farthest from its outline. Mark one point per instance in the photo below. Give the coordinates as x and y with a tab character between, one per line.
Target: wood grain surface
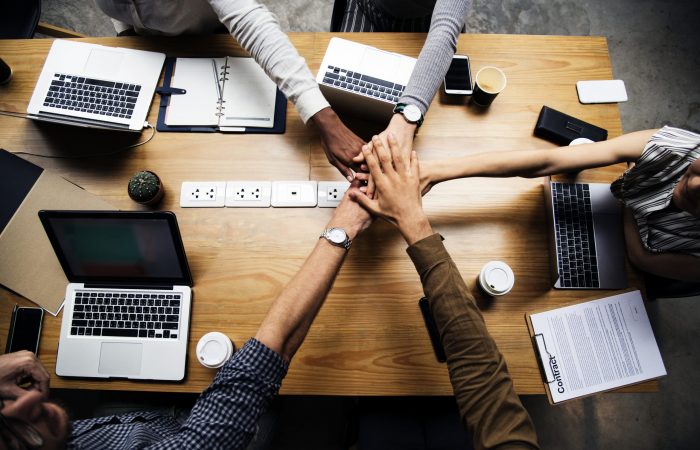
369	338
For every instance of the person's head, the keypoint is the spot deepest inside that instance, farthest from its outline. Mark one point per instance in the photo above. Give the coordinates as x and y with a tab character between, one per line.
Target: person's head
30	421
686	194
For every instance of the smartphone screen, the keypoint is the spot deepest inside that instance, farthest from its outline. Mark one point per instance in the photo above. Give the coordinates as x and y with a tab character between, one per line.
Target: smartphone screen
25	331
458	79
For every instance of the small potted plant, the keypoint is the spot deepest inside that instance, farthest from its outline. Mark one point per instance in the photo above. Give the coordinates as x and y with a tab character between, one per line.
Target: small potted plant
145	188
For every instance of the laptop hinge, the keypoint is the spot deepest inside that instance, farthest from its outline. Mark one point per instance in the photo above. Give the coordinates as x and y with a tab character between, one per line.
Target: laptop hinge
150	287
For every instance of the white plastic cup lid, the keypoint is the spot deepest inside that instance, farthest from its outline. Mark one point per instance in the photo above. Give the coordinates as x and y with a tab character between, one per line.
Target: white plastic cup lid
496	278
579	141
214	349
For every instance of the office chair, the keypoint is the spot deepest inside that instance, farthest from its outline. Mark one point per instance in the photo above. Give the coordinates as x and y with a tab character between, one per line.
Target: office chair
660	287
20	20
337	15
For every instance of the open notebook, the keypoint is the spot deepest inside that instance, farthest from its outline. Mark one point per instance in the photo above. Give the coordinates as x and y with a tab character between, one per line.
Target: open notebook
219	94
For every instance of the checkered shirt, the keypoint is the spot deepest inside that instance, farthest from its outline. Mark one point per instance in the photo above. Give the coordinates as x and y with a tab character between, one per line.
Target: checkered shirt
224	417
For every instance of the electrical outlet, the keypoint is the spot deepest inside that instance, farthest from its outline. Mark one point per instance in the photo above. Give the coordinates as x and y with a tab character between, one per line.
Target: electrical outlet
330	193
293	193
203	194
248	194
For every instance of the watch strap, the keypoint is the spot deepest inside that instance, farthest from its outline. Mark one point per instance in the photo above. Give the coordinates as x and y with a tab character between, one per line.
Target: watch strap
346	244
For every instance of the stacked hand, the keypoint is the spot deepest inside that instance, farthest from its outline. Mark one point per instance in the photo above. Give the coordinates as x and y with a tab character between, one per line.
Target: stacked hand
397	194
339	143
22	368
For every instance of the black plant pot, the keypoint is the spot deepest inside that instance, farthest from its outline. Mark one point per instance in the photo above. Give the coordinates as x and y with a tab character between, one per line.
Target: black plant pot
146	188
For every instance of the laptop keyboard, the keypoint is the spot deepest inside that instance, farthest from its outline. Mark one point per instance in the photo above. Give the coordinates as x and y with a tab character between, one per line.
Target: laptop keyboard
363	84
126	314
573	229
106	98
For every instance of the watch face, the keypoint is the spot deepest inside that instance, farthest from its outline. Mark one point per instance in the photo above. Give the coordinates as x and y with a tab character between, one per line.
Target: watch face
337	235
412	113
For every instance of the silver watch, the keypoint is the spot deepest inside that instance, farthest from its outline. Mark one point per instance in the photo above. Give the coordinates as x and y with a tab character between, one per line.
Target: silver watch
337	237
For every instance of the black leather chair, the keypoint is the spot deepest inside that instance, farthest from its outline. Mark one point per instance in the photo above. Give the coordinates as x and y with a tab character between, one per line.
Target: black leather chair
660	287
337	15
19	18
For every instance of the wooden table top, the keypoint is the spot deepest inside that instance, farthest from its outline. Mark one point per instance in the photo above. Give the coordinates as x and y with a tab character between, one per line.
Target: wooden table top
369	338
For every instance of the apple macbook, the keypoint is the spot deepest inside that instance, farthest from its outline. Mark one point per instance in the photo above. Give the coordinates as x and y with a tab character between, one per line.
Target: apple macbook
586	237
363	80
127	305
95	86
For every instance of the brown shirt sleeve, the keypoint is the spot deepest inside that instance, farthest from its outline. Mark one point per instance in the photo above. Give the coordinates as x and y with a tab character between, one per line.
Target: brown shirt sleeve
489	407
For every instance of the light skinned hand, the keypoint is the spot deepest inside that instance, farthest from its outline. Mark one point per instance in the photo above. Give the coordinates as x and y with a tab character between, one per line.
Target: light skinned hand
426	177
403	132
19	368
397	197
339	143
349	215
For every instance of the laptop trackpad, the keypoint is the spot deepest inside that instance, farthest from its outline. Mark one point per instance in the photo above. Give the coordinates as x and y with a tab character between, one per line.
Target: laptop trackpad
103	63
118	358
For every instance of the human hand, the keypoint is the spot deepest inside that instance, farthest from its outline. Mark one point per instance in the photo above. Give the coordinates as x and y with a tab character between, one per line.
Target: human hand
349	215
397	198
403	132
426	169
339	143
19	368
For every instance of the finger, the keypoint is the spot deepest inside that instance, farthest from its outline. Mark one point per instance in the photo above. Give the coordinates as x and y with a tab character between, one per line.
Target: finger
343	169
363	167
383	154
360	158
372	163
401	161
371	187
414	168
370	205
362	176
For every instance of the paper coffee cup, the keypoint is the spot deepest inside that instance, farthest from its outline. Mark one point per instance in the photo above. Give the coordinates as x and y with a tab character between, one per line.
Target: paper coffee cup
488	83
214	349
496	278
579	141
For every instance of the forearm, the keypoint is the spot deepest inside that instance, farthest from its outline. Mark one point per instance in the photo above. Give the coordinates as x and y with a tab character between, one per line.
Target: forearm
489	406
436	54
258	32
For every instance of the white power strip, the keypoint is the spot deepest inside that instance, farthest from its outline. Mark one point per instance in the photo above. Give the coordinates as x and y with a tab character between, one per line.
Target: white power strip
262	194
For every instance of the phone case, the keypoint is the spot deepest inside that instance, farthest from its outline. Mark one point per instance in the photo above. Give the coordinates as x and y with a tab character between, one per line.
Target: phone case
432	330
601	91
560	128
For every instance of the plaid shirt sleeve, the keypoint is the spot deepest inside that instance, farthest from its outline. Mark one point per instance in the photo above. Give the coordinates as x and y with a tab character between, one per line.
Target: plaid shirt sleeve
226	414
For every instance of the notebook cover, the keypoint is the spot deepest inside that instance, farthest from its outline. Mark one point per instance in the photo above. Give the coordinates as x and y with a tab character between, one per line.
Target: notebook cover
280	110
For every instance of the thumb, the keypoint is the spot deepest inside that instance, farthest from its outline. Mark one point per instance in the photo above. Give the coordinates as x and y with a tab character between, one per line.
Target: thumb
370	205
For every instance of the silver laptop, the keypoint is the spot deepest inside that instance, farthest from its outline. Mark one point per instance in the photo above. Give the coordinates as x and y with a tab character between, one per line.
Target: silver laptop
127	306
95	86
586	237
363	80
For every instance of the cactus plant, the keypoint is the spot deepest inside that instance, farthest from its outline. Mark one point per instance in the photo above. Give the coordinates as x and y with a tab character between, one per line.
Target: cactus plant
145	188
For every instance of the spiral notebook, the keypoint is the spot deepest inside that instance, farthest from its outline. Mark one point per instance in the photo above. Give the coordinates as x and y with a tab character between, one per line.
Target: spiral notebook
228	94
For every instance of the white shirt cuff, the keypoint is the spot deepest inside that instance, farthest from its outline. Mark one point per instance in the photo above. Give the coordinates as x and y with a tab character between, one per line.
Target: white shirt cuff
310	102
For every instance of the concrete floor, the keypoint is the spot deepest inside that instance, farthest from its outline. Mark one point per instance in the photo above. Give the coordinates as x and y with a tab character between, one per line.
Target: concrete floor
654	48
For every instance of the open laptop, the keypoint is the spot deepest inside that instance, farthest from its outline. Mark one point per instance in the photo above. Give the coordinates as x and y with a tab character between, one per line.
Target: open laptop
363	80
95	86
586	237
127	305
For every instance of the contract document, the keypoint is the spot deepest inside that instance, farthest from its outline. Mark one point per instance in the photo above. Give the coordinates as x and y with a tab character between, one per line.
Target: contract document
595	346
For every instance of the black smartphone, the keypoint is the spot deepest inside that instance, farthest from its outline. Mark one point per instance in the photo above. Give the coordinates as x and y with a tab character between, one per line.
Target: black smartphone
458	79
25	329
432	330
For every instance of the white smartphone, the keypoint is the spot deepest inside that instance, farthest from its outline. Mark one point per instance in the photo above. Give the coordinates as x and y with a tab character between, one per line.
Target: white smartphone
458	79
601	91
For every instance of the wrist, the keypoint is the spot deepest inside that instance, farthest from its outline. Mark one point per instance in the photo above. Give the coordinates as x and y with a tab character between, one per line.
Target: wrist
415	228
400	125
324	118
352	230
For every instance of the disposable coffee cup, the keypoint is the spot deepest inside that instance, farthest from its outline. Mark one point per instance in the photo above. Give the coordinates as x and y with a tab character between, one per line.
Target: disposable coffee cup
580	141
5	72
214	349
496	278
489	82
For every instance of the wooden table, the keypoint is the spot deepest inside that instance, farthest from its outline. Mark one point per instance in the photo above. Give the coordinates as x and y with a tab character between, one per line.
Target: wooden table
369	338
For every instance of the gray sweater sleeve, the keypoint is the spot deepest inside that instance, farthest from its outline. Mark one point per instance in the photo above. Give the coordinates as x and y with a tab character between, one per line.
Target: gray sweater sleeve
436	55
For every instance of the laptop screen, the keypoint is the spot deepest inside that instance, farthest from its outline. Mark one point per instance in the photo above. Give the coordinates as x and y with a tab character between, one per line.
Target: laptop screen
118	247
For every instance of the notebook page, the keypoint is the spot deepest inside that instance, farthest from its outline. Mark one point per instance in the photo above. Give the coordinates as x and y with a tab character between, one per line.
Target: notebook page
596	346
198	106
249	95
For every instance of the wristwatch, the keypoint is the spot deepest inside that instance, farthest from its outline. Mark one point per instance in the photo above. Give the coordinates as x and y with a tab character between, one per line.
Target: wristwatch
337	237
410	112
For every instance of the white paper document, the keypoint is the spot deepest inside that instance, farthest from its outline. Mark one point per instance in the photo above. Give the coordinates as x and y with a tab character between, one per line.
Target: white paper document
225	92
596	346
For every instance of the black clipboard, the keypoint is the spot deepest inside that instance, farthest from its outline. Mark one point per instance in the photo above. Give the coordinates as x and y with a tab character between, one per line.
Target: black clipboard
165	91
